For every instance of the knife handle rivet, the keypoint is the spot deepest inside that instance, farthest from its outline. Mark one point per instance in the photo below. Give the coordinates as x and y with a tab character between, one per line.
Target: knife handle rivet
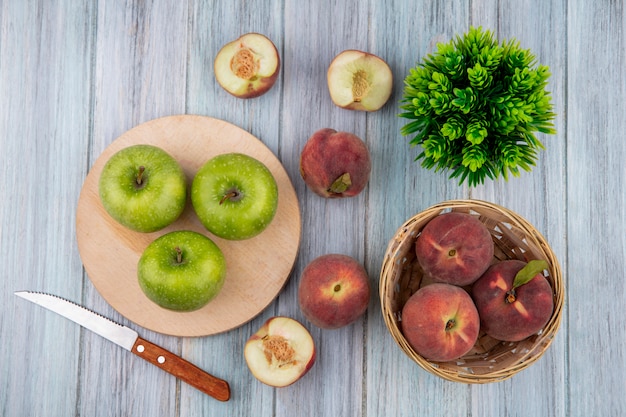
161	359
140	348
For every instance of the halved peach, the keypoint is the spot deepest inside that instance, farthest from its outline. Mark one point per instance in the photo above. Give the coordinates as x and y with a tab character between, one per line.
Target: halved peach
248	66
359	80
281	352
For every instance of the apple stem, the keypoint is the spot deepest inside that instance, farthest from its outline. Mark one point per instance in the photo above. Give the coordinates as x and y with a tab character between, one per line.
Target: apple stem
450	324
139	179
228	196
179	255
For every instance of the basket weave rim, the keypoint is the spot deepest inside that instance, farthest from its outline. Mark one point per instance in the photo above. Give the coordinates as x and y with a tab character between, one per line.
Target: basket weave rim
537	247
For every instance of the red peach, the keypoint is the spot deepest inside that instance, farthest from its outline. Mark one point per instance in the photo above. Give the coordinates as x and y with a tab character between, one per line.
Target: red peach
455	248
334	291
335	164
440	322
512	314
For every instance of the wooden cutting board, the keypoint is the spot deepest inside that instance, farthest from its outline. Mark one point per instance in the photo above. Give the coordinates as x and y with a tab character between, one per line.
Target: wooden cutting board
257	268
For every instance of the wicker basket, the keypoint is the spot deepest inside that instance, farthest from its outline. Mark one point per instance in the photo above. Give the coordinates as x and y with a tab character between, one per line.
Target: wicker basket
490	360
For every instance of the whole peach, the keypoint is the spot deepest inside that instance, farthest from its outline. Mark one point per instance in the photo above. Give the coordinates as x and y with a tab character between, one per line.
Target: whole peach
455	248
507	313
335	164
334	291
440	322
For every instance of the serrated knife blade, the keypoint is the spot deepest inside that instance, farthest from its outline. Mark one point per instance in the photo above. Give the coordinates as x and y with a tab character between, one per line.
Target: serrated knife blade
129	339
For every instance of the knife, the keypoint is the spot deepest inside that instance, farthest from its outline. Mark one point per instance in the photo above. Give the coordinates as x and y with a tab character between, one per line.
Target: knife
130	340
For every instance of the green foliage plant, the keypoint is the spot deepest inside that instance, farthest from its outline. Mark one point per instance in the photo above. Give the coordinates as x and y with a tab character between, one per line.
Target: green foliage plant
475	106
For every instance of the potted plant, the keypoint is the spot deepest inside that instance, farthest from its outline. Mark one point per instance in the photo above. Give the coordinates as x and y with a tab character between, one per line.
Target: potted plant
475	106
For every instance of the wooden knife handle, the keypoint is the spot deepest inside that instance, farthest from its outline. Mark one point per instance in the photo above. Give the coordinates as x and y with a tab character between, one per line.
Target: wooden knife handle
180	368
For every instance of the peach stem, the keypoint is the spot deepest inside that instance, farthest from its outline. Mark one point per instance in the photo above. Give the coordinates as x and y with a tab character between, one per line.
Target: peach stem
510	296
341	184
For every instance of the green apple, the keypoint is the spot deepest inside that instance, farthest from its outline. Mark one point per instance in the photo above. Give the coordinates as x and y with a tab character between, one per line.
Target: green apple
143	188
181	270
235	196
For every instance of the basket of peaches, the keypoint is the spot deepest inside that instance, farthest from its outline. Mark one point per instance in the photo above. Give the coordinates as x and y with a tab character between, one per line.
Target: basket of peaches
471	291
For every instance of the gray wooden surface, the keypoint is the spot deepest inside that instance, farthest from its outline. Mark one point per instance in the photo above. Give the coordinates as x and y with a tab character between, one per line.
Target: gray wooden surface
75	74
